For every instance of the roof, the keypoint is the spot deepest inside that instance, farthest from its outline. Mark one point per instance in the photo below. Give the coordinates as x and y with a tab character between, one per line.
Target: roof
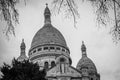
48	35
86	62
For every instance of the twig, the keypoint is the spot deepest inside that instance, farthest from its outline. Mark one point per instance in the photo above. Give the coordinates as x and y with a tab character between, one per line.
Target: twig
60	6
70	7
116	2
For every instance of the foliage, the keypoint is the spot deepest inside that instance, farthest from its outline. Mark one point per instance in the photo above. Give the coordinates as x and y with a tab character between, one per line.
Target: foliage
70	8
102	9
108	11
9	14
24	70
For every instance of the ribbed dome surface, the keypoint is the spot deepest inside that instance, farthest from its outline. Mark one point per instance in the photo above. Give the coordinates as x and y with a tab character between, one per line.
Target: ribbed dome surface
48	35
86	62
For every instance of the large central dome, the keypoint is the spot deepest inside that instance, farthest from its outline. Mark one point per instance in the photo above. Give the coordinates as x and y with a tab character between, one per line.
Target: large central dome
48	34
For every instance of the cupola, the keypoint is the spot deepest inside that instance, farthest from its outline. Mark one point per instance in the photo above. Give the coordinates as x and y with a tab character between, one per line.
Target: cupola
86	62
22	52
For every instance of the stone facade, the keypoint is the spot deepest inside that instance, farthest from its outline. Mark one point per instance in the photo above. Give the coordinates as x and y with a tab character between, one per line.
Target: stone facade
50	50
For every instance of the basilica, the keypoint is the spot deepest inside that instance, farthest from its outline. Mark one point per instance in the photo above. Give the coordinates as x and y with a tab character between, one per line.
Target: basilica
50	51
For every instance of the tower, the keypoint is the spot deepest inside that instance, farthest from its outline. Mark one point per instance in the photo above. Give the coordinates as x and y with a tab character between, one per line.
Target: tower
86	66
22	53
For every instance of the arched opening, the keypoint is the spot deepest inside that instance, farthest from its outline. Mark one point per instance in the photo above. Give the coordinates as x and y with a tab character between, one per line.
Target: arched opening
46	65
57	48
45	48
39	49
34	51
91	78
63	50
53	64
62	60
52	48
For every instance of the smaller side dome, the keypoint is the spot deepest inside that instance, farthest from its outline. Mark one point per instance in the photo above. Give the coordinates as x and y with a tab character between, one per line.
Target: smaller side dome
88	63
85	61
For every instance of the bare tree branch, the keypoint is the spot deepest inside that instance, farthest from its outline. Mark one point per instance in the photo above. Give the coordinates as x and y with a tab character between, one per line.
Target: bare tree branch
116	2
9	15
71	8
60	6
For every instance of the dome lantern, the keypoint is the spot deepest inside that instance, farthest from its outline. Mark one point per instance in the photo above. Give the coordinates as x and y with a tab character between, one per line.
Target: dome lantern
23	47
83	49
47	15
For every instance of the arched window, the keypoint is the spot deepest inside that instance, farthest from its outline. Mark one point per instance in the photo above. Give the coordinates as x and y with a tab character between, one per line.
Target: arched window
62	60
39	49
34	51
91	78
57	48
63	50
52	63
46	65
52	48
45	48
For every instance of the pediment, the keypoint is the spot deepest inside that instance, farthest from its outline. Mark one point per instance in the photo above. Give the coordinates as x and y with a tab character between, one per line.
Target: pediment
67	71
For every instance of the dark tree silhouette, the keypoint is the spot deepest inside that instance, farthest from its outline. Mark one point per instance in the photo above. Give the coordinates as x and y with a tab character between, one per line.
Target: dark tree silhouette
24	70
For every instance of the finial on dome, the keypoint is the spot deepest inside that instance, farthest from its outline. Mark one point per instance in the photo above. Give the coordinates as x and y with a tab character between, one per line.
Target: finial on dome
47	15
83	48
46	4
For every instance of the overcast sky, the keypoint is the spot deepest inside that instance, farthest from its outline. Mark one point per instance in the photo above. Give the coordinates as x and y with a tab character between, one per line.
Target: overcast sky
100	47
